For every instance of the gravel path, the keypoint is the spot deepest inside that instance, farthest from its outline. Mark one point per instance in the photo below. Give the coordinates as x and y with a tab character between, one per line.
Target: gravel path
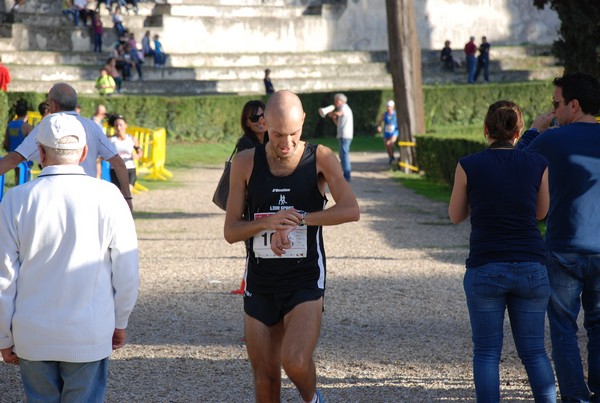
395	327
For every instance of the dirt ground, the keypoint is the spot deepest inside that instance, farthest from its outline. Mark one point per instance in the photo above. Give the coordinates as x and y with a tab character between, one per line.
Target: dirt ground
395	327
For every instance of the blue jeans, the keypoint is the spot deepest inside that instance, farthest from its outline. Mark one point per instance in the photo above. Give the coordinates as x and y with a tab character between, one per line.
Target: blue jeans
471	62
55	381
97	42
575	282
485	65
74	13
522	288
345	157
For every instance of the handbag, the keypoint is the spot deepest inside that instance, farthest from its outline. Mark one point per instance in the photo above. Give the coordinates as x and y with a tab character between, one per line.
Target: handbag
222	191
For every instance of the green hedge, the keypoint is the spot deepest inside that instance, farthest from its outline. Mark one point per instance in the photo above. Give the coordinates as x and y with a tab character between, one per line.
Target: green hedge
467	104
454	116
438	156
211	118
216	118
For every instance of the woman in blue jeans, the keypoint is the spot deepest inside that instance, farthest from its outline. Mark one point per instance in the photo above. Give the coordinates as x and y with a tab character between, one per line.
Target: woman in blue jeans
505	190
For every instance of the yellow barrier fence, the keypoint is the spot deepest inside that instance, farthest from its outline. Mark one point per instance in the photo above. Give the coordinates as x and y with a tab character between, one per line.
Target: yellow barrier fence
403	164
33	118
152	142
154	153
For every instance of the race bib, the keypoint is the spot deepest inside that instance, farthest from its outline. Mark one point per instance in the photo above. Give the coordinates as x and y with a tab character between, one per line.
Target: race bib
261	242
390	128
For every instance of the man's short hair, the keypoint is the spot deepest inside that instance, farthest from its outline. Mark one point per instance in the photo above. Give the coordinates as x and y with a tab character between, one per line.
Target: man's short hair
582	87
21	108
42	108
341	97
64	95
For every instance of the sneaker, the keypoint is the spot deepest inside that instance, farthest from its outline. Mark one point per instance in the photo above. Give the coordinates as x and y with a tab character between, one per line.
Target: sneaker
391	161
320	397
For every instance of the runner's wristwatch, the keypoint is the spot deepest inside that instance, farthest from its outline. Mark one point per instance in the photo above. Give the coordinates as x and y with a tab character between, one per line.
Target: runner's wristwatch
304	215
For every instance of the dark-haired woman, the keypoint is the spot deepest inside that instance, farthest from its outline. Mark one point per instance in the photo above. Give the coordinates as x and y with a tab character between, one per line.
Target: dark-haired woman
506	192
255	134
127	147
253	126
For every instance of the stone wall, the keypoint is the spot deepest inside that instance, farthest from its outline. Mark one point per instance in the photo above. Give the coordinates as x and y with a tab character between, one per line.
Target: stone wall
361	25
296	26
504	22
319	25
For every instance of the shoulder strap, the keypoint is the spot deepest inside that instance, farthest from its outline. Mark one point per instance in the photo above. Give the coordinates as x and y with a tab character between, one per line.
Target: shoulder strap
234	151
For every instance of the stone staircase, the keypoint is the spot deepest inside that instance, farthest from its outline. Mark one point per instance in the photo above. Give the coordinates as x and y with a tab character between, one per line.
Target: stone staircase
40	47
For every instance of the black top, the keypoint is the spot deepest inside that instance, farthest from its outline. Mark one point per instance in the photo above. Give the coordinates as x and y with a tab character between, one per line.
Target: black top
268	194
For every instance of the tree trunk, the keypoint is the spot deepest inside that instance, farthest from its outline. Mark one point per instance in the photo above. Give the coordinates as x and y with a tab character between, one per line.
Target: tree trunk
405	66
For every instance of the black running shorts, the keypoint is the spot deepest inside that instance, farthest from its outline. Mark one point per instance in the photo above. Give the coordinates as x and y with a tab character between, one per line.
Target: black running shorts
271	308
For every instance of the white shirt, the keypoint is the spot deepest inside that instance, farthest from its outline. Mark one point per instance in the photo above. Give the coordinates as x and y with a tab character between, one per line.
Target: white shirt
97	142
68	266
345	123
125	149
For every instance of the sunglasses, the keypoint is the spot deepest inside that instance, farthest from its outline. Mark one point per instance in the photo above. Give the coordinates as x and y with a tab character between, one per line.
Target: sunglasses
555	104
255	118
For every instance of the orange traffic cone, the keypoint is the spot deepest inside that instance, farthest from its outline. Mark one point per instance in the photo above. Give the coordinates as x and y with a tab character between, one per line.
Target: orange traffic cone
240	290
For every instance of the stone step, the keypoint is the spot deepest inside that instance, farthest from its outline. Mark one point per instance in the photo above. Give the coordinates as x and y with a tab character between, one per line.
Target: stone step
326	72
53	21
505	57
510	59
65	38
54	7
459	76
200	87
44	58
230	2
76	73
533	63
236	11
187	87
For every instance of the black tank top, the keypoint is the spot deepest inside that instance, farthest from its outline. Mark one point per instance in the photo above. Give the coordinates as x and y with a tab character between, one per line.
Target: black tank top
268	194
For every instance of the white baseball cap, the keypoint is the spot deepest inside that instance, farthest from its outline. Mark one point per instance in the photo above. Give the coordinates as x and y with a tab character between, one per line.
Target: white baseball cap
390	103
57	126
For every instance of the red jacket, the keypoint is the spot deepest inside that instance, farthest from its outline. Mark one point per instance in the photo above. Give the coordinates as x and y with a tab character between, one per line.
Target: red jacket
4	78
470	48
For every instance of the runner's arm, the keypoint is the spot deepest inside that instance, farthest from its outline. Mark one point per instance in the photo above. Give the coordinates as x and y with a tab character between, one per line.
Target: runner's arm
346	207
236	227
10	161
116	162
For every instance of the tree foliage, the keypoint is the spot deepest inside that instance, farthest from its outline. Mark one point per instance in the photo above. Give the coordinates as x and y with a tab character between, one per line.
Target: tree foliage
578	47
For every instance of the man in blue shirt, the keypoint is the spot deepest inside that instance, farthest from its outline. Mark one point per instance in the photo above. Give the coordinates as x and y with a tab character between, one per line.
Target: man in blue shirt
573	228
483	60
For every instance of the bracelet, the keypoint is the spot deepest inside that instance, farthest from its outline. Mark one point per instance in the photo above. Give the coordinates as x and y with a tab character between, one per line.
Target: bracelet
128	198
535	129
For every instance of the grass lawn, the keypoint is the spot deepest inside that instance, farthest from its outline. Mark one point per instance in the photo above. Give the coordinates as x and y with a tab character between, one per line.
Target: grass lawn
182	156
187	155
424	187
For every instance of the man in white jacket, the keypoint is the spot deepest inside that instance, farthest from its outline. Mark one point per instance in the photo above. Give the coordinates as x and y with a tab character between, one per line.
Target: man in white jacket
68	271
